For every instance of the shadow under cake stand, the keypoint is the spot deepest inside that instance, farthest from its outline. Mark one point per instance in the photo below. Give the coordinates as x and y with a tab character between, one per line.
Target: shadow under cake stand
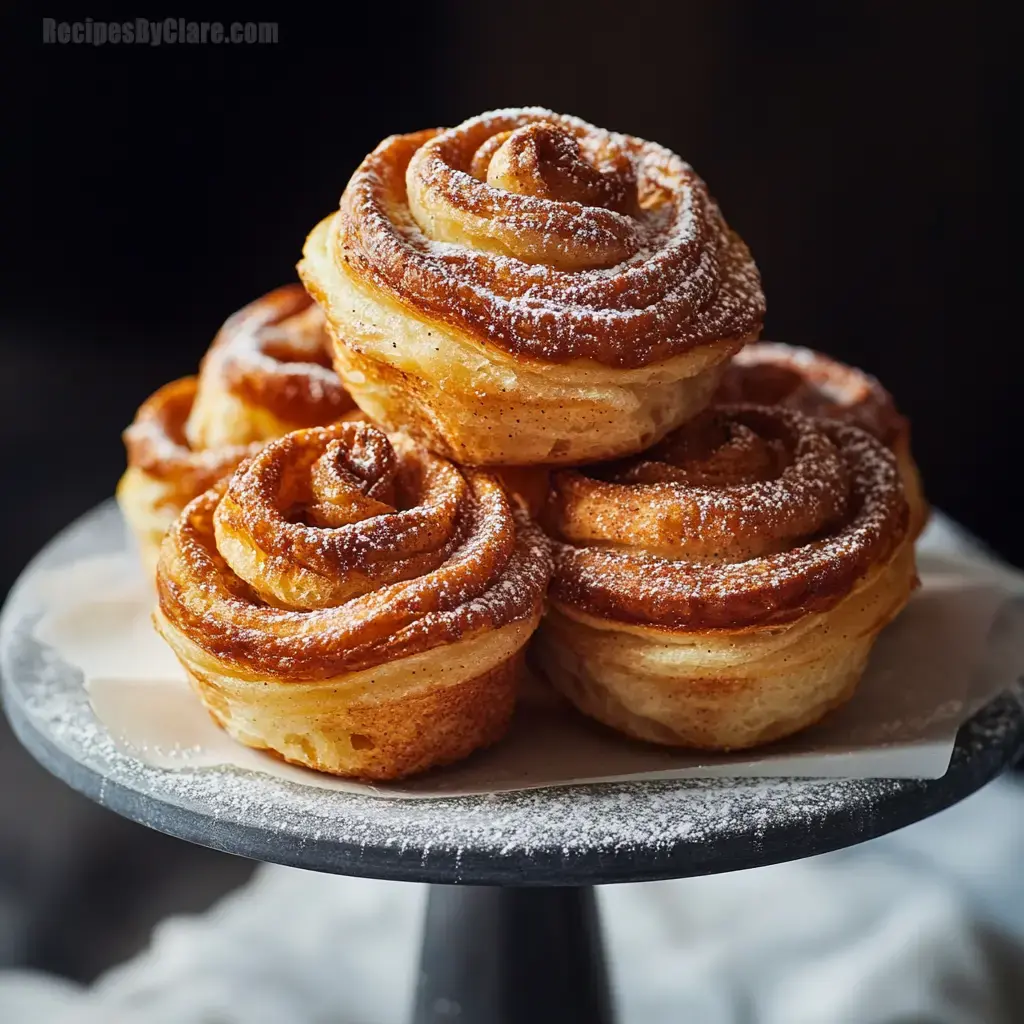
511	933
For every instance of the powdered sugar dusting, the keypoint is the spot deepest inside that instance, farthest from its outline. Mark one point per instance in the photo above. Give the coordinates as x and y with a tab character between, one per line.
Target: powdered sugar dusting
832	514
452	558
277	351
593	833
607	832
553	279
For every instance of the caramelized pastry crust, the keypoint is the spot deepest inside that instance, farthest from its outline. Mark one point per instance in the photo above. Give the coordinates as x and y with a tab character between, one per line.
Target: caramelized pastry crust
528	288
742	567
267	372
353	602
164	473
769	373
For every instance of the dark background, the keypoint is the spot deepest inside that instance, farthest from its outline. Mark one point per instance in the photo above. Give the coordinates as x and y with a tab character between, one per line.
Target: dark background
861	149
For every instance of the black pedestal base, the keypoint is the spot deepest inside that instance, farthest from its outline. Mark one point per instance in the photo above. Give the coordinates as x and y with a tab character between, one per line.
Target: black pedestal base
512	956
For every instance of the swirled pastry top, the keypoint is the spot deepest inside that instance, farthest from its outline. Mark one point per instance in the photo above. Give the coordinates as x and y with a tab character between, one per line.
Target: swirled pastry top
770	373
748	516
336	549
549	238
274	354
156	444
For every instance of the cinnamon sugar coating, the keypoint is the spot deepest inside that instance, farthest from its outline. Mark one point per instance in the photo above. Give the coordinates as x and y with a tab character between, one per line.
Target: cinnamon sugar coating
748	516
770	373
156	445
274	355
549	238
337	549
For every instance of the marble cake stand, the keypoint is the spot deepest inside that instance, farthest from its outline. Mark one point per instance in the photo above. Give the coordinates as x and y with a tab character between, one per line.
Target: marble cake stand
511	932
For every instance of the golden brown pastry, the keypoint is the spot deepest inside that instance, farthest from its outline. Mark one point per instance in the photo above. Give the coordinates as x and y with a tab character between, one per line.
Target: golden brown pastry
267	372
769	373
724	589
527	289
353	602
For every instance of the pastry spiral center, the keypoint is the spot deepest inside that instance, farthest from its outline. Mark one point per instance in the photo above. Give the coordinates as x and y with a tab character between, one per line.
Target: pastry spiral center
737	483
324	515
714	451
352	483
559	195
546	237
542	160
276	571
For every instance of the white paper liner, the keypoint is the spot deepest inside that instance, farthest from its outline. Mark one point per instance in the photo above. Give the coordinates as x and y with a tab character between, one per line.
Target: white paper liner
959	642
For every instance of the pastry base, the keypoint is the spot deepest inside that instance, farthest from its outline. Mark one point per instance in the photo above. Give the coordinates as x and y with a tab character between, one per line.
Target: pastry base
478	405
388	722
149	506
720	690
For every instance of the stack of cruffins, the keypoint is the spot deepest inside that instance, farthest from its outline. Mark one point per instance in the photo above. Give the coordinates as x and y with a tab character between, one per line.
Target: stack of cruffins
519	413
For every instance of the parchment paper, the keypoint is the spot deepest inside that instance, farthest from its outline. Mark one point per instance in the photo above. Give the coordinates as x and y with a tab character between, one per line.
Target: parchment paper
958	643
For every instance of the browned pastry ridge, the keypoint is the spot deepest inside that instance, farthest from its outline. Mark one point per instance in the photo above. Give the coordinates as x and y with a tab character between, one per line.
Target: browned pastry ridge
770	373
527	288
725	588
353	602
267	372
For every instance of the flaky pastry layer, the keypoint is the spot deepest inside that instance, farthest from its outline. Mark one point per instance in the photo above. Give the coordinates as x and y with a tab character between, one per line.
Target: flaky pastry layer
725	587
149	506
770	373
474	403
526	288
720	689
267	372
164	472
369	573
393	720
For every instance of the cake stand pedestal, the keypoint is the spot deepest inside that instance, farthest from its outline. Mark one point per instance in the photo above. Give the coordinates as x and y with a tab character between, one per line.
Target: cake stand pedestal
511	933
